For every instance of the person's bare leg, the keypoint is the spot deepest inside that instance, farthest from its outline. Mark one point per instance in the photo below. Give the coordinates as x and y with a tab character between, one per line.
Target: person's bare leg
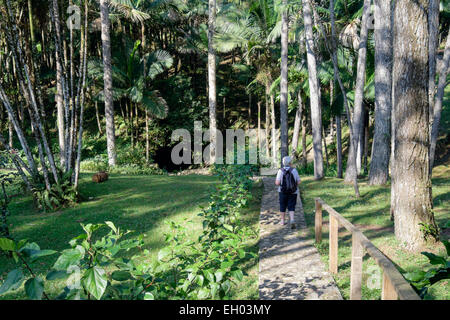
282	214
291	216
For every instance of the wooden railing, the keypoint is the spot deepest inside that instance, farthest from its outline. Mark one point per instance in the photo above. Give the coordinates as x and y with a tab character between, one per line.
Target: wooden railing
394	286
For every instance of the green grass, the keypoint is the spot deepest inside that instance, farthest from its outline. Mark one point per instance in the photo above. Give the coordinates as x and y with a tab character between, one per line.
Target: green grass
139	203
371	214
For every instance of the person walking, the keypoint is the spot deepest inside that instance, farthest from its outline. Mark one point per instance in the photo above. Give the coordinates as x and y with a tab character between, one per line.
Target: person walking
287	181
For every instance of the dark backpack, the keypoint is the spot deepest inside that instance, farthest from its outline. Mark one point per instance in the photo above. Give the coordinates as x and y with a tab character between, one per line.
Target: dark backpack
289	184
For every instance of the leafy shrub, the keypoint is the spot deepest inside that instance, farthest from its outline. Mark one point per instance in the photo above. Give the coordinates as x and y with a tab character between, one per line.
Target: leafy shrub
202	269
422	280
60	195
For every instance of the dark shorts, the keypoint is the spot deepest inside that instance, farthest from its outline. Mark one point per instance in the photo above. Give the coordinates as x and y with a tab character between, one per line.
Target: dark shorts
287	201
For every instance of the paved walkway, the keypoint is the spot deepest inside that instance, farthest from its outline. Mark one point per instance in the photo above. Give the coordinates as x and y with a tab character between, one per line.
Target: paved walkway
289	267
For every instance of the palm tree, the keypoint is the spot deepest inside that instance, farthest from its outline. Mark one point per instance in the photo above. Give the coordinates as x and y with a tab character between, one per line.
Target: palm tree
358	112
379	165
284	81
132	76
253	28
108	84
212	79
316	112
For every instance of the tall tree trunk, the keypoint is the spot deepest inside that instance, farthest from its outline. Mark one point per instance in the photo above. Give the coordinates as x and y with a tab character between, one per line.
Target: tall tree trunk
355	149
297	123
147	140
437	110
284	81
379	164
212	79
411	187
343	91
433	27
316	112
109	104
81	91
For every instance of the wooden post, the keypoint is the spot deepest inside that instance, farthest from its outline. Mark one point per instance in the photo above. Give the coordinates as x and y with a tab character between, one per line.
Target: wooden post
356	268
318	222
388	290
333	232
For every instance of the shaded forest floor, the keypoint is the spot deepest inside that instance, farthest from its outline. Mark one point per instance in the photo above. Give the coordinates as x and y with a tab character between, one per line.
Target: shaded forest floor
140	203
371	213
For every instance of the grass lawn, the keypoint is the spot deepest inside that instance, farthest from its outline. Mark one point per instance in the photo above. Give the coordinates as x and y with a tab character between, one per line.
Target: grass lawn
139	203
371	214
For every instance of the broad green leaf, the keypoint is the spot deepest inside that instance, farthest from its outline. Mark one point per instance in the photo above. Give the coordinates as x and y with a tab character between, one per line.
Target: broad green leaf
238	275
7	244
447	246
56	274
111	225
149	296
13	281
95	282
163	253
33	251
203	293
434	259
214	289
69	257
219	275
209	275
34	288
121	275
415	276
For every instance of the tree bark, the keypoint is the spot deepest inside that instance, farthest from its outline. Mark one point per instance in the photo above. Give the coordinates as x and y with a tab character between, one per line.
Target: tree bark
297	123
109	104
284	81
212	79
381	147
355	149
316	112
437	110
411	187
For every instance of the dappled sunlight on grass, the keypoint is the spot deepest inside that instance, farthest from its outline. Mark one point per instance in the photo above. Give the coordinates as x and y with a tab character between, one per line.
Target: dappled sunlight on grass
371	213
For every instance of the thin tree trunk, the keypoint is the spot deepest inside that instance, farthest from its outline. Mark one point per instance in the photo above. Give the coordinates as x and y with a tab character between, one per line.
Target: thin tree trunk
339	146
109	104
147	140
97	115
411	187
284	81
437	110
304	160
325	148
212	79
274	131
379	164
267	126
83	69
341	86
358	113
297	123
316	112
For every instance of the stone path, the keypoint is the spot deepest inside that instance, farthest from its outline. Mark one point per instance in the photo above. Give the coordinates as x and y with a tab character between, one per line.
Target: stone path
289	267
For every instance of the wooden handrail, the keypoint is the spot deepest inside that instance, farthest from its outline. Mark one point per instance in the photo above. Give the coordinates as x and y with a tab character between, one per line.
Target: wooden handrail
394	285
